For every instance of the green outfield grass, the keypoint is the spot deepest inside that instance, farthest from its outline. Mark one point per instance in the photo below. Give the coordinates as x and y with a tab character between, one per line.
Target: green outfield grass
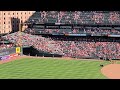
48	68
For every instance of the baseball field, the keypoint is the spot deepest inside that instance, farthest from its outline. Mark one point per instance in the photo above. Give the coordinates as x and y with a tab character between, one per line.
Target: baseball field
51	68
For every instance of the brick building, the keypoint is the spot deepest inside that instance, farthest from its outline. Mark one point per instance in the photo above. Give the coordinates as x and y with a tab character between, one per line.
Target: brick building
10	20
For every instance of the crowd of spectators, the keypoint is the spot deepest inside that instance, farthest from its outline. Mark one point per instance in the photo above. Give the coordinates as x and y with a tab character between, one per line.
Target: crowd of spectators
90	30
5	45
20	38
88	48
79	47
77	17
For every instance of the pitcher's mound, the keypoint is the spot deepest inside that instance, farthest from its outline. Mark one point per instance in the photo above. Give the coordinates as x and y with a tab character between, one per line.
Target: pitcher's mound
111	71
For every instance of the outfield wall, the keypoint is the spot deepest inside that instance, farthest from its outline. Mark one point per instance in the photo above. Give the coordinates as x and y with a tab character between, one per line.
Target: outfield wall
7	51
6	54
7	57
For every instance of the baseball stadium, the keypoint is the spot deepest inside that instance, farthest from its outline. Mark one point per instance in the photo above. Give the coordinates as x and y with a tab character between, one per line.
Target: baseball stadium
63	45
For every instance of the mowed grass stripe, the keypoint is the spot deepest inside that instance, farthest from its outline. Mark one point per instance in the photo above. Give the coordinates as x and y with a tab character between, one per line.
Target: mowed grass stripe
48	68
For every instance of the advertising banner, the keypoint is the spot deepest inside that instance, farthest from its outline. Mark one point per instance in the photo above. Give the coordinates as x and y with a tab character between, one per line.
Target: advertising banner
8	56
9	51
4	57
113	35
13	55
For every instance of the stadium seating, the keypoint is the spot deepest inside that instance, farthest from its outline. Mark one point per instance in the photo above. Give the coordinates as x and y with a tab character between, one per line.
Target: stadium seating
77	17
78	47
5	45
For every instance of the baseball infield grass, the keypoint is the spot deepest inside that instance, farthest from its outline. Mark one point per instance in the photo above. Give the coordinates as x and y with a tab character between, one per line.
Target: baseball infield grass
51	68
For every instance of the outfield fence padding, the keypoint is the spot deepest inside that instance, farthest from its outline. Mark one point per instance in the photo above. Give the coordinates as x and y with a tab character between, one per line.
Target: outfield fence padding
7	54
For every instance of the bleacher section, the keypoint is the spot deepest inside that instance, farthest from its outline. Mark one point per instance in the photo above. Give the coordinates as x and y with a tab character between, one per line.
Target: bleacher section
77	17
75	47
